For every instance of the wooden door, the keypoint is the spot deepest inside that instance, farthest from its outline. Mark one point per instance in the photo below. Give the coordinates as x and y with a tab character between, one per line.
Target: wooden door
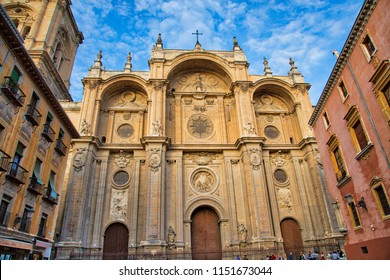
292	237
116	240
205	235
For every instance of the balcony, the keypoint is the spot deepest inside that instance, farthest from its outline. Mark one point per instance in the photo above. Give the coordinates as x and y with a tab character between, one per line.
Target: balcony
51	196
60	147
4	161
16	173
48	133
35	186
33	115
4	218
11	89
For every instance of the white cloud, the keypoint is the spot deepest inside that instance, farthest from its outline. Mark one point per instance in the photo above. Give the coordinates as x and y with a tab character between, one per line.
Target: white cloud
305	29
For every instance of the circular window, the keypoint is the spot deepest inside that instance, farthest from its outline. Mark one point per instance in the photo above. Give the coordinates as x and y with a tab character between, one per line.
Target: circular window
125	130
280	176
200	126
271	132
121	178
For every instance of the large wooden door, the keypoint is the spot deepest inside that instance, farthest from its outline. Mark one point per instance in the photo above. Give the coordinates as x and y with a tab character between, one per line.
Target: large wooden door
116	240
292	237
205	235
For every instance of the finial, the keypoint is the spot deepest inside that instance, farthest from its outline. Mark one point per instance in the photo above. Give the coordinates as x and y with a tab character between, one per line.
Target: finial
265	62
129	57
159	40
235	43
128	63
292	63
267	69
99	56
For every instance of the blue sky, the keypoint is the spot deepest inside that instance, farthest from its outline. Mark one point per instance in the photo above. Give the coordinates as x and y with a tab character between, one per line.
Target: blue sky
306	30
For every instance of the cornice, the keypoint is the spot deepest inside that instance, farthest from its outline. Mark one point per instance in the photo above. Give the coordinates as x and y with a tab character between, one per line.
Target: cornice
357	29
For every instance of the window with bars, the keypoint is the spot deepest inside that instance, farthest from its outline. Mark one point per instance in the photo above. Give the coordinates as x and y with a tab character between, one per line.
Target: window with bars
383	200
343	90
369	45
326	119
360	135
355	215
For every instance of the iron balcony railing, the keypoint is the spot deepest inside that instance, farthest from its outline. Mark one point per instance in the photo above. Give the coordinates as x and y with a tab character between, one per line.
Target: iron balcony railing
60	147
4	161
16	173
33	115
48	133
4	218
51	196
11	89
35	186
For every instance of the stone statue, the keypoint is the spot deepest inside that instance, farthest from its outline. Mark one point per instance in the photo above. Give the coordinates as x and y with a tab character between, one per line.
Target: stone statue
249	129
157	128
242	233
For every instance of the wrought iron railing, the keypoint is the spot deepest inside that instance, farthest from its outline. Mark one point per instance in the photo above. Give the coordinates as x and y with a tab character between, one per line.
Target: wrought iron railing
60	147
4	161
16	173
11	89
33	115
35	186
48	133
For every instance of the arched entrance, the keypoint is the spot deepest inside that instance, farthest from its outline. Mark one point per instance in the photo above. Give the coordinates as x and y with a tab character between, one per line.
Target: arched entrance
205	235
292	237
116	240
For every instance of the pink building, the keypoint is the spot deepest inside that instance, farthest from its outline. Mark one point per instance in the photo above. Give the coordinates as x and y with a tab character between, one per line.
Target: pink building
352	125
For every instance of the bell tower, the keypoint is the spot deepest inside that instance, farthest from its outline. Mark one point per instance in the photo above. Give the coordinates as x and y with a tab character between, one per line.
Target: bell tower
51	36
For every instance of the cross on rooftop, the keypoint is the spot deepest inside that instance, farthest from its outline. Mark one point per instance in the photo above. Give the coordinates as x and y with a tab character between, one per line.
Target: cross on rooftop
197	36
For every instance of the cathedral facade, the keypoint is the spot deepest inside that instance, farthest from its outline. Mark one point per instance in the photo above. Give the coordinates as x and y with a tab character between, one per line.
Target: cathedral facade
194	159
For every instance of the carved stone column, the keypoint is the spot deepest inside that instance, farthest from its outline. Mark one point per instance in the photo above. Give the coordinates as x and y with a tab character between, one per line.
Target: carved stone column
155	147
251	154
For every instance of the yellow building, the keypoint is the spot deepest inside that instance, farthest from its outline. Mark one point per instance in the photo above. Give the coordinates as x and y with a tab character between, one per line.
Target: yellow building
35	132
194	159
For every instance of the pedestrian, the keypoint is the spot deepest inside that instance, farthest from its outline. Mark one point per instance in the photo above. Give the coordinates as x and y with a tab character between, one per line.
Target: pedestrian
290	256
335	255
245	257
322	256
301	256
238	257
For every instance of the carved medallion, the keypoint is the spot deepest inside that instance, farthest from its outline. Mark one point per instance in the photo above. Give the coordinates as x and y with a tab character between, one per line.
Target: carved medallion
79	159
254	158
155	160
125	130
200	126
203	180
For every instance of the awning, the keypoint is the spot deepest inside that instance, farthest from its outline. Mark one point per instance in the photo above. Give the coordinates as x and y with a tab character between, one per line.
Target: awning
15	244
42	244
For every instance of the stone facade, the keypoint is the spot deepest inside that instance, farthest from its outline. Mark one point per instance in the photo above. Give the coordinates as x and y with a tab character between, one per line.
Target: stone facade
196	132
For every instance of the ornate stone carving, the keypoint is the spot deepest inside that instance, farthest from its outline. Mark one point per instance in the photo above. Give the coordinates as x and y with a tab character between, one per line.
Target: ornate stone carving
279	159
155	159
249	130
119	205
196	83
203	180
171	238
200	126
123	159
255	158
203	158
285	199
79	159
85	128
242	233
157	128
